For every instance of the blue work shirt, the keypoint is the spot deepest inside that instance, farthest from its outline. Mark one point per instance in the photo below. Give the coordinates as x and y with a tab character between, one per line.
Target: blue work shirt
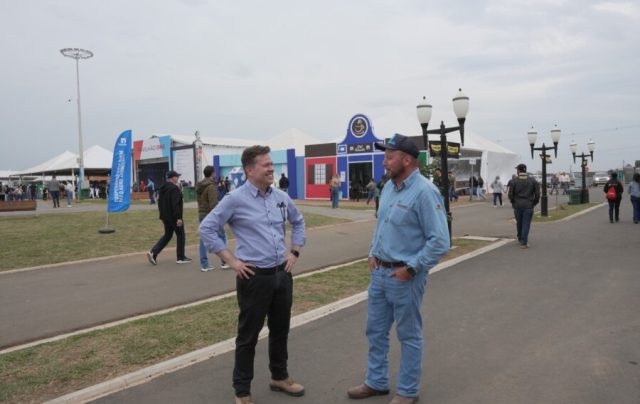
412	224
258	224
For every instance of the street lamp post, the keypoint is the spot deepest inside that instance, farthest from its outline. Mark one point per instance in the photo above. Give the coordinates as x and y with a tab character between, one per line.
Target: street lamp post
77	54
555	137
591	145
460	108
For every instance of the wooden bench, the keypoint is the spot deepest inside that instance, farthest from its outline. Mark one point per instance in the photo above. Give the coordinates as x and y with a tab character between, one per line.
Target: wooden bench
13	206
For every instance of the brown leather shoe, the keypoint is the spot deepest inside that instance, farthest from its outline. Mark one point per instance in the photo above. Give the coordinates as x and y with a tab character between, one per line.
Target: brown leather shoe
287	386
244	400
364	391
398	399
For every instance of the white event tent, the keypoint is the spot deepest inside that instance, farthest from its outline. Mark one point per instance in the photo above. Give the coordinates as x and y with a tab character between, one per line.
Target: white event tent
97	161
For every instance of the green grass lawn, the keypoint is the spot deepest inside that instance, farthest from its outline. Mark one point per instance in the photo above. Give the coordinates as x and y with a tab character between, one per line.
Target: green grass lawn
47	239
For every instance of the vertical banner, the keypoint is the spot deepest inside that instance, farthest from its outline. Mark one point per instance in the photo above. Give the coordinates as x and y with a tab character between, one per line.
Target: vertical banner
120	185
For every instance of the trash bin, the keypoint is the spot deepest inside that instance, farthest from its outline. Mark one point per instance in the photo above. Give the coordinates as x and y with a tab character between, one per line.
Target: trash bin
574	196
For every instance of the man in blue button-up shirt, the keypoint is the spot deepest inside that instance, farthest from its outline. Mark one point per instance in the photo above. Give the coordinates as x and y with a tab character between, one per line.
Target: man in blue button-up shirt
257	213
410	238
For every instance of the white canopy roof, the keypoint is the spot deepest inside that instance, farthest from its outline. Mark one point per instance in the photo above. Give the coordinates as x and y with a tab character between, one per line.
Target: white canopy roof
95	158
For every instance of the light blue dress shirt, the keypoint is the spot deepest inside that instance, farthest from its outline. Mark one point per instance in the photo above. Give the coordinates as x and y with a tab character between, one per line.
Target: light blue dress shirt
258	223
412	224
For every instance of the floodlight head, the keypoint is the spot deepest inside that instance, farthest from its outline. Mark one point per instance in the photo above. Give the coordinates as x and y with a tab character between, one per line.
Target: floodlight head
76	53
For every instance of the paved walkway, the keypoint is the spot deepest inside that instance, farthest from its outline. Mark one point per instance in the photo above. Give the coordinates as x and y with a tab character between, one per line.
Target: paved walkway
64	298
556	323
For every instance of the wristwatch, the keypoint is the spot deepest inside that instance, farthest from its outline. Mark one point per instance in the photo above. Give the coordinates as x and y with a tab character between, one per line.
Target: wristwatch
296	253
411	271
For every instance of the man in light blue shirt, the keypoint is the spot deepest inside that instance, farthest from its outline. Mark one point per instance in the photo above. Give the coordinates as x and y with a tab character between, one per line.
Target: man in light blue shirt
257	213
410	238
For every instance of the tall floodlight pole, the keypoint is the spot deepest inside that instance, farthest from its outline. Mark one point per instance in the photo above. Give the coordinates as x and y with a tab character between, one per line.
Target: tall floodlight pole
77	54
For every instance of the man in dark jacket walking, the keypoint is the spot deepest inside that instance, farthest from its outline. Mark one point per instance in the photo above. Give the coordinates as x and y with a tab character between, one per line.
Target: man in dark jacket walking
207	200
614	203
170	204
524	194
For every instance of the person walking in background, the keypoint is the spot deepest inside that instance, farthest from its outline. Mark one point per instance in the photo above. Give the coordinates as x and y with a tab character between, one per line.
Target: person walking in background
481	188
634	194
555	181
284	183
221	189
399	260
151	189
565	181
473	187
207	193
524	195
613	189
497	188
379	187
170	204
453	194
335	190
437	179
69	193
54	191
371	190
257	213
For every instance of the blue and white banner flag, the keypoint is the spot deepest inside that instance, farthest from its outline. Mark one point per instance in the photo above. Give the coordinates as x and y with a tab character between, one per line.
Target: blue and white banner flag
120	184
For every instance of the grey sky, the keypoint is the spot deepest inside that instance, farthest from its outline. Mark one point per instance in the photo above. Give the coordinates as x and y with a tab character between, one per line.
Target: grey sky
252	69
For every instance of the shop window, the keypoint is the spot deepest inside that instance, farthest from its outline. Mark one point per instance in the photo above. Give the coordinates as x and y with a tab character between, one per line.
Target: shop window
319	174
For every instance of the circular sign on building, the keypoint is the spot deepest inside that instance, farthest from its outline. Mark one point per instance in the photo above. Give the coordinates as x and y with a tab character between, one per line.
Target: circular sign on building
358	127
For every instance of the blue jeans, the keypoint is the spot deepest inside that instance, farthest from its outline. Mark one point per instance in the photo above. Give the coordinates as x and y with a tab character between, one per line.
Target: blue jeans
335	194
635	202
393	300
69	197
523	224
204	259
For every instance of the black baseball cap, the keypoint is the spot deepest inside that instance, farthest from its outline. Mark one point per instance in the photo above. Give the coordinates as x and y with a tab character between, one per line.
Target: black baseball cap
172	174
522	168
399	142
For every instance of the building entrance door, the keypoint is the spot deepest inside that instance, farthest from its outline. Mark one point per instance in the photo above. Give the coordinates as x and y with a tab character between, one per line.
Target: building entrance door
359	176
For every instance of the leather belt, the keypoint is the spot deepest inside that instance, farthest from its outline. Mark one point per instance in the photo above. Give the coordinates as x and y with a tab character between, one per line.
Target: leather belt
386	264
270	271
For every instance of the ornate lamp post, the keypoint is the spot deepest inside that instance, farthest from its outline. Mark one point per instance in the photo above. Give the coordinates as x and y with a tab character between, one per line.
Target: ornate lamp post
77	54
591	145
460	108
555	137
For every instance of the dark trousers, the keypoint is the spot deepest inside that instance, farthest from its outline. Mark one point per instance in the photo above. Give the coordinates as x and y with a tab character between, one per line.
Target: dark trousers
55	197
614	207
169	229
497	196
258	297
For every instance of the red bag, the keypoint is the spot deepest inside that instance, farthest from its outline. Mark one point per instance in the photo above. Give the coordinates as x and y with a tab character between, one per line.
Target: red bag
612	194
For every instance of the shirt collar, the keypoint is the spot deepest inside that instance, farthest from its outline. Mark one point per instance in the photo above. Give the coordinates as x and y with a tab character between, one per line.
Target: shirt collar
254	191
407	181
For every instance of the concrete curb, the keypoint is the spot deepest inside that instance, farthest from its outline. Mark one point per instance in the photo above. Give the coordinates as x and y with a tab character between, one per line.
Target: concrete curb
152	372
